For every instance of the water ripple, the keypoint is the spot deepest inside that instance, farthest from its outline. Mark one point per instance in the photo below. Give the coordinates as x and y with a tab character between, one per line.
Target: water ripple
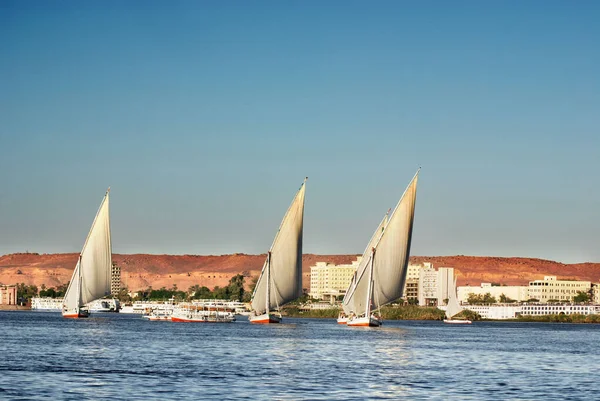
111	357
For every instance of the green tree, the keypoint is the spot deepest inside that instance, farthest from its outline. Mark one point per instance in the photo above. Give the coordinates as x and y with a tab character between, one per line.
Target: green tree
26	292
123	295
475	299
488	298
61	290
505	300
581	297
236	288
203	293
221	292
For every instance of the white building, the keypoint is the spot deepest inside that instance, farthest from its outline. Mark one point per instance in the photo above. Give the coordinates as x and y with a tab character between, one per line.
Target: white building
115	279
514	292
596	293
411	285
551	289
445	284
328	281
428	286
434	285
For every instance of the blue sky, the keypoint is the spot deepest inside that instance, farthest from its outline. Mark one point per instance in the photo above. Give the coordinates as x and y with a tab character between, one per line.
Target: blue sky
204	118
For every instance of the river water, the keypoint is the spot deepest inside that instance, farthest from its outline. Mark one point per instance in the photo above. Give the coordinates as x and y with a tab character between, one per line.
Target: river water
116	356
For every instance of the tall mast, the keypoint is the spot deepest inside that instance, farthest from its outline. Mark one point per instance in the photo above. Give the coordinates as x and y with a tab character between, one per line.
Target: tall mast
268	282
370	290
79	286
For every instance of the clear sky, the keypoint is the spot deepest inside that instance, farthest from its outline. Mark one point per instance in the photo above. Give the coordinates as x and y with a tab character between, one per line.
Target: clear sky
204	118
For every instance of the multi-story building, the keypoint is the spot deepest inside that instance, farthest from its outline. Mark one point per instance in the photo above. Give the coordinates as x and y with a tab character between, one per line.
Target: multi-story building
445	284
435	285
411	285
8	295
330	281
514	292
596	293
551	289
428	292
115	279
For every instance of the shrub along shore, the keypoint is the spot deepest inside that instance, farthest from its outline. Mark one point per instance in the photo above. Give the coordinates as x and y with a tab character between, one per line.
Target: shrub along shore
411	312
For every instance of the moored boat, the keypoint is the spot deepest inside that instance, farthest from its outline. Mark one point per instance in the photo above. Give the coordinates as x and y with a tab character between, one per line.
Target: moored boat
201	316
457	321
158	315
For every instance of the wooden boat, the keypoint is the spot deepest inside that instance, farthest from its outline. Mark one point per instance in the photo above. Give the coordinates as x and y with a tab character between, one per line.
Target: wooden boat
381	274
280	279
91	277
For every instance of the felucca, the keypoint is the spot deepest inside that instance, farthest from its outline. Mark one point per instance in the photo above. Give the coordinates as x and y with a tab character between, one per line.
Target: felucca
381	274
280	280
454	308
348	304
91	277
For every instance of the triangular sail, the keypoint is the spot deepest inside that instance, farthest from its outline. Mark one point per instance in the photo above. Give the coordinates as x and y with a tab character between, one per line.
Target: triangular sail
285	261
393	250
357	290
91	278
453	308
390	252
72	296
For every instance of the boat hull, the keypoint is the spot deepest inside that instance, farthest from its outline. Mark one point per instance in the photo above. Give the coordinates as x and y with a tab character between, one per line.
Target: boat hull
266	318
364	322
202	319
158	318
450	321
76	314
342	320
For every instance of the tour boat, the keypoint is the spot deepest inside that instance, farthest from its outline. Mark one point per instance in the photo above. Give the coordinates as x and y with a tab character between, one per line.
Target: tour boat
280	279
190	315
158	315
91	277
381	274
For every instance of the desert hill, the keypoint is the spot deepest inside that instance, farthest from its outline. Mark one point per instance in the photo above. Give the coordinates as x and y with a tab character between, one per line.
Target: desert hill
139	271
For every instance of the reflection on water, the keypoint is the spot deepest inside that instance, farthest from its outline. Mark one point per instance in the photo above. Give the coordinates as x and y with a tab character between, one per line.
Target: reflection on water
113	356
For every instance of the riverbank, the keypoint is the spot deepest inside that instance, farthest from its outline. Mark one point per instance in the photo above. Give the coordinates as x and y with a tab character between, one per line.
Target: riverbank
409	312
559	319
14	307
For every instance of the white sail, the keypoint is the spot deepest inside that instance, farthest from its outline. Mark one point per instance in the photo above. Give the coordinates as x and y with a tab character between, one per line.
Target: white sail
393	250
357	290
72	299
91	278
284	262
389	256
453	307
